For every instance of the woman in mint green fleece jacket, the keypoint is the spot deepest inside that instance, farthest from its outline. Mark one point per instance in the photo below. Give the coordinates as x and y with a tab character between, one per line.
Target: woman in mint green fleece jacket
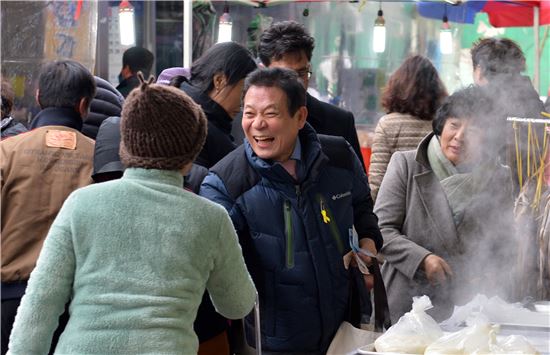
134	256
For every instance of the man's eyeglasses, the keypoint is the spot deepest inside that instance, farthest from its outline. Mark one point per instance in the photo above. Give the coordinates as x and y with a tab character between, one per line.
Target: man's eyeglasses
304	73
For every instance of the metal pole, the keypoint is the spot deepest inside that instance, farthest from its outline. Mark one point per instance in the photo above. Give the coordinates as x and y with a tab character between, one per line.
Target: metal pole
187	33
536	26
149	30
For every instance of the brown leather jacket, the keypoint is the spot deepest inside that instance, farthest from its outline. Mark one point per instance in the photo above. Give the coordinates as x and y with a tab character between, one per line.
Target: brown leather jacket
39	169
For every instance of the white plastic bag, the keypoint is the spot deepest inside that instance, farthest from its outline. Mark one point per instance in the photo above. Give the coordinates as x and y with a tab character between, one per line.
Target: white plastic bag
413	332
513	344
475	339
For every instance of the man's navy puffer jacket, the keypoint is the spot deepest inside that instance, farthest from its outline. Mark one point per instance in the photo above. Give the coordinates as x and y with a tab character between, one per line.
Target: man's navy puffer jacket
293	256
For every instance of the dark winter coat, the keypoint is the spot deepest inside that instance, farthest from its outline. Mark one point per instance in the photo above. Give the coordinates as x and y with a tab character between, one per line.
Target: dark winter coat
128	85
106	157
514	96
294	257
416	220
219	141
106	103
333	121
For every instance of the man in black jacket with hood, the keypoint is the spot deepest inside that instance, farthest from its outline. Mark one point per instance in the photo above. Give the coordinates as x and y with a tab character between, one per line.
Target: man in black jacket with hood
287	44
498	63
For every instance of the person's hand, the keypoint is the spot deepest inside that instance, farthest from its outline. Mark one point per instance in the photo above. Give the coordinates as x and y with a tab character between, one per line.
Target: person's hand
367	244
436	268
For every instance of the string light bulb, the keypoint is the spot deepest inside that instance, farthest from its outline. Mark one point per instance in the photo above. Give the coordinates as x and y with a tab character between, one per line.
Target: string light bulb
379	32
225	27
445	37
126	24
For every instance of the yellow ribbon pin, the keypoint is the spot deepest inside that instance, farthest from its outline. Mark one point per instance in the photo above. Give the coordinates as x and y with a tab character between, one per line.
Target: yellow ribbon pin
326	219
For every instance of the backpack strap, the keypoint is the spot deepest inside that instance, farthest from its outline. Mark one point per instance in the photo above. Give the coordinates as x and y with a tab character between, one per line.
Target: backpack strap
236	173
337	149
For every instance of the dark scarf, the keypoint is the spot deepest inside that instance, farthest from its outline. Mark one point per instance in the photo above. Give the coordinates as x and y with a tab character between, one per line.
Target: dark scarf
58	116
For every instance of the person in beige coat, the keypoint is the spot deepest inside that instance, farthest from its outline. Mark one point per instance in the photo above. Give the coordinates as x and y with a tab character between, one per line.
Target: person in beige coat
411	97
445	212
39	169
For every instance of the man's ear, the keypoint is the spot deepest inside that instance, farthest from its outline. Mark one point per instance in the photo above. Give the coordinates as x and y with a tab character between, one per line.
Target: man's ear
301	115
479	79
83	107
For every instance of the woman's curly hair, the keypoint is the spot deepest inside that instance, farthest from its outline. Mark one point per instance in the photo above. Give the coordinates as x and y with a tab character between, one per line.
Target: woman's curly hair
414	88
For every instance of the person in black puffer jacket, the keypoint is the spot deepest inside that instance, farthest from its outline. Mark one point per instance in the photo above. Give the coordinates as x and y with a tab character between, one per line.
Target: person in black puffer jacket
498	64
10	127
107	102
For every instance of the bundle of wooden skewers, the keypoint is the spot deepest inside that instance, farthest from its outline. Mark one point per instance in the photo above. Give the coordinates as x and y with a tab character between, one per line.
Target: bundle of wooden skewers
532	210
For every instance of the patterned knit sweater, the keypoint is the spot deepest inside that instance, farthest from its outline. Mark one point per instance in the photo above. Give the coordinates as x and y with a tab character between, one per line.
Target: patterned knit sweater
394	132
134	257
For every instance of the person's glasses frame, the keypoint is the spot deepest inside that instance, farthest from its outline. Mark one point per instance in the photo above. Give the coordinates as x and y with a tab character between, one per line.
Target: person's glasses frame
305	72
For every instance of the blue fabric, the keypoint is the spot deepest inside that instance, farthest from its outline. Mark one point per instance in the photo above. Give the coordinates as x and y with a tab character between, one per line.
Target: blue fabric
462	13
302	305
297	156
13	290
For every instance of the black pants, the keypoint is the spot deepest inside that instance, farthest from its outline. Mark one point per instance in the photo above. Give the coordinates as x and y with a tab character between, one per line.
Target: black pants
9	309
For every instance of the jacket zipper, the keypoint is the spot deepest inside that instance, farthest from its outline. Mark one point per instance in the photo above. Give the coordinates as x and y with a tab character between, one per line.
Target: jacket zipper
328	218
288	233
298	194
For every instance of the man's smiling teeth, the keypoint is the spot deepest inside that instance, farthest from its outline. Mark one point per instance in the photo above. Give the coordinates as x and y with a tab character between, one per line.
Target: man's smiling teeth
263	138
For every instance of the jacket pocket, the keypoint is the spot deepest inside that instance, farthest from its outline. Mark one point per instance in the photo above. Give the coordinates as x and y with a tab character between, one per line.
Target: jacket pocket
327	217
289	238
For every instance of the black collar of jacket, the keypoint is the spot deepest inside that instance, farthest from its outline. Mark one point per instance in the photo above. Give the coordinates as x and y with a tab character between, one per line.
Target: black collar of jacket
314	111
58	116
214	112
129	82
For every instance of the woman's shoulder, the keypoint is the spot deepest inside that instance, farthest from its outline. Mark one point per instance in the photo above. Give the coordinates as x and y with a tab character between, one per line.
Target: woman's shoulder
209	209
406	161
394	118
400	123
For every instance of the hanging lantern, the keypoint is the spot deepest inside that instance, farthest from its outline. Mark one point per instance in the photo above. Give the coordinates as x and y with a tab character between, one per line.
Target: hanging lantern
225	27
379	33
126	24
445	37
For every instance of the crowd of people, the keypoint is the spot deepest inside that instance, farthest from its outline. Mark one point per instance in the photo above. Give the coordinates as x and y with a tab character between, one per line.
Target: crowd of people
134	222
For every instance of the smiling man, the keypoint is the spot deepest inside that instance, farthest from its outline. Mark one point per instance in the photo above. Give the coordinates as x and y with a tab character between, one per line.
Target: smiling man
293	205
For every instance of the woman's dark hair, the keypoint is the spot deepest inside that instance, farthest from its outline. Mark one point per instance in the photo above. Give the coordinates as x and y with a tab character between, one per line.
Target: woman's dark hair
415	88
285	79
229	58
468	103
497	56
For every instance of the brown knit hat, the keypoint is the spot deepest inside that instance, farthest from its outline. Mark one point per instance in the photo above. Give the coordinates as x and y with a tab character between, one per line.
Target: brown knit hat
161	127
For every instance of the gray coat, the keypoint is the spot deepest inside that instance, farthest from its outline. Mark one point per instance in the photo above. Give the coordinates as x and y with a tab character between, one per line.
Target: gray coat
416	220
